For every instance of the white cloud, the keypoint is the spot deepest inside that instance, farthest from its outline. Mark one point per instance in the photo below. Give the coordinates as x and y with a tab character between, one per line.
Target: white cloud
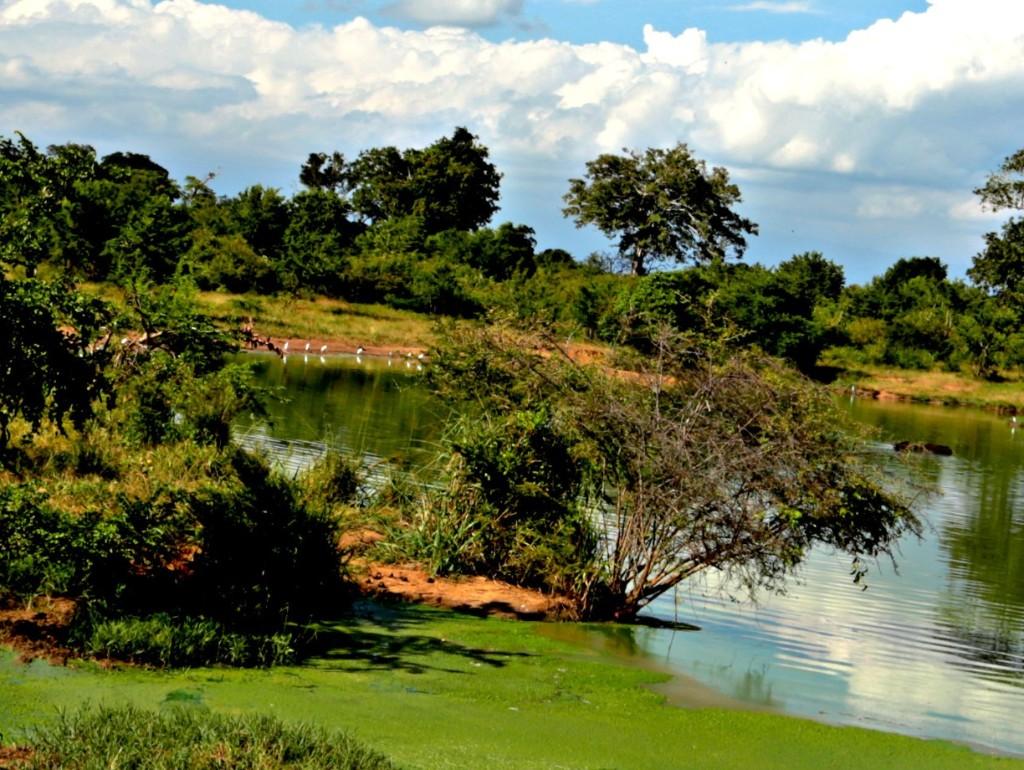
770	6
971	210
455	13
890	204
896	103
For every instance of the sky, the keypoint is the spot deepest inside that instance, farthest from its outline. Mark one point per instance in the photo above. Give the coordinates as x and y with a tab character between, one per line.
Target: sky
857	129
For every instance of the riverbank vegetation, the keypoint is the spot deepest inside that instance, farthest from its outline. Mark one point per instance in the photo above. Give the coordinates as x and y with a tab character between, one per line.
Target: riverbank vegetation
122	492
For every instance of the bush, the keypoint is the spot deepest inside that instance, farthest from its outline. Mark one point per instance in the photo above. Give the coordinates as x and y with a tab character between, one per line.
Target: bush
191	739
264	555
334	480
511	507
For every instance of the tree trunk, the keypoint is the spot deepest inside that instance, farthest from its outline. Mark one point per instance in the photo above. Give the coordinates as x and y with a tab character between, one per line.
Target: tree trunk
637	266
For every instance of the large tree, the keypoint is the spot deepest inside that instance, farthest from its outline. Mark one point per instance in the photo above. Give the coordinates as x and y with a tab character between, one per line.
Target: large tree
451	184
660	204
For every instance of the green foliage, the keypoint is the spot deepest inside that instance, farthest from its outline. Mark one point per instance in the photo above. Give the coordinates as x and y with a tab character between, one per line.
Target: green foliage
191	739
660	205
162	640
48	370
38	200
101	557
335	479
451	184
226	262
315	243
1005	188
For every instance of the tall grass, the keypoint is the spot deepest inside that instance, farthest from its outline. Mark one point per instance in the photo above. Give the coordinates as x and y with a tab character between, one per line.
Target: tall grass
162	640
129	738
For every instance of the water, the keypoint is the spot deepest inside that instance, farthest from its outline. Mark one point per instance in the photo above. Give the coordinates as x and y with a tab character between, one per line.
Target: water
936	650
360	406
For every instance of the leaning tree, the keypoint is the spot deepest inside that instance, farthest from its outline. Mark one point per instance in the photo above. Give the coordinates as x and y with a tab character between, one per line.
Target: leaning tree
710	459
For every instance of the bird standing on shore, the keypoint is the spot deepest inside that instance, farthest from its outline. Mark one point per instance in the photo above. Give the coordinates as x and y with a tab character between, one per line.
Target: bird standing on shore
323	349
360	350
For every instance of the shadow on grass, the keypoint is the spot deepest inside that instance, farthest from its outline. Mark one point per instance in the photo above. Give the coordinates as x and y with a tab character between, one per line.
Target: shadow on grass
376	636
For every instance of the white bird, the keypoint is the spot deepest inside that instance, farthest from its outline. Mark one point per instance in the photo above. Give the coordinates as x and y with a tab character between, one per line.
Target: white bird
323	349
360	350
422	356
1013	422
285	348
307	347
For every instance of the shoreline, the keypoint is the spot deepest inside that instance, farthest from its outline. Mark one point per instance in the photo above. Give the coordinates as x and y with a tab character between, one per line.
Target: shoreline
414	681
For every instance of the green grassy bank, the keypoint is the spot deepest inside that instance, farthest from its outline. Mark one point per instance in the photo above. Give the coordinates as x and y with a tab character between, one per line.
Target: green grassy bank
947	388
432	689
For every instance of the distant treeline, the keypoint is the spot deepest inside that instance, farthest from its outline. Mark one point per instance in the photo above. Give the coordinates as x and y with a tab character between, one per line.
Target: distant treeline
411	229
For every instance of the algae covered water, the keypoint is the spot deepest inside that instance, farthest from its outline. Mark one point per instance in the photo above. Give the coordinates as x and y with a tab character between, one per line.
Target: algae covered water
935	649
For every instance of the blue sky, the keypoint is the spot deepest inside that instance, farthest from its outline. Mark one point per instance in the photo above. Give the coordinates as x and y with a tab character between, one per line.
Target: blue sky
617	20
856	129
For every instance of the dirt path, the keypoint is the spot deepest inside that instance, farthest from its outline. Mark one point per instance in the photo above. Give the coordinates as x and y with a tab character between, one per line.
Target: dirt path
476	595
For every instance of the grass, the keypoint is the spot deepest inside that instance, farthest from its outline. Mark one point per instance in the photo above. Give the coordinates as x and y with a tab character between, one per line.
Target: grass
950	388
318	318
321	319
433	689
191	739
160	640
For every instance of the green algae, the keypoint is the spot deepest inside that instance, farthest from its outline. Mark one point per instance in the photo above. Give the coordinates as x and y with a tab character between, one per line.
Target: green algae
434	689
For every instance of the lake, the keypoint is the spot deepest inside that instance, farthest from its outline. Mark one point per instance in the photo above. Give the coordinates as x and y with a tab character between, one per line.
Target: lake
935	649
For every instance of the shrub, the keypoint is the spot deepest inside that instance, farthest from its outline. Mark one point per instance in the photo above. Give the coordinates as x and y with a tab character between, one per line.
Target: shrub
511	506
264	555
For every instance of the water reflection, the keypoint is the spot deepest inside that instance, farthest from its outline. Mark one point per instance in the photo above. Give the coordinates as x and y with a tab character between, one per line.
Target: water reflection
936	650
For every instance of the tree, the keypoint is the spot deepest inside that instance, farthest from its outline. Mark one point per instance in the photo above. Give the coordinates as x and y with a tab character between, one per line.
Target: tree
38	204
321	172
660	204
315	242
130	222
999	270
451	184
1000	267
1005	188
260	215
712	458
